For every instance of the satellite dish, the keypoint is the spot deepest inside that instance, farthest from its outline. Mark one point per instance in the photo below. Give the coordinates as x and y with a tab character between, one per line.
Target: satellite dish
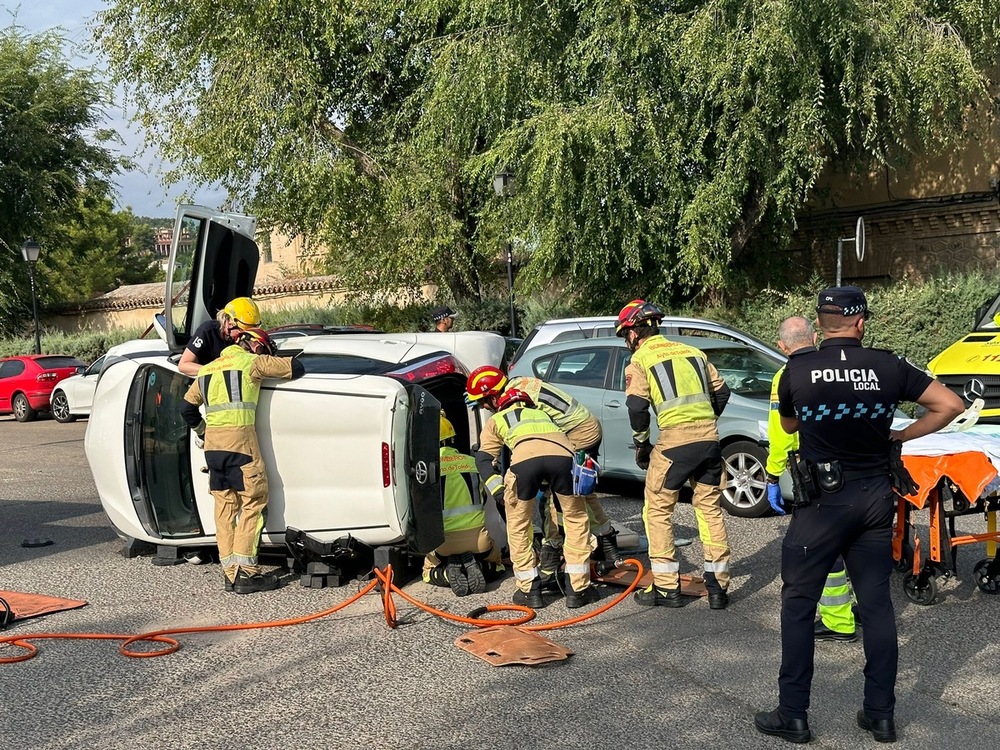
859	239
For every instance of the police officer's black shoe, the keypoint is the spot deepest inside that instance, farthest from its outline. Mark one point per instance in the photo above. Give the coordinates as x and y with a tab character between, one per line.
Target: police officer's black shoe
718	599
883	730
475	580
822	633
576	599
776	725
245	584
456	576
654	596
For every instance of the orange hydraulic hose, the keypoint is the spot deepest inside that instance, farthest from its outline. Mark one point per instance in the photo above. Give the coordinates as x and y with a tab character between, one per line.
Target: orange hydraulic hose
383	578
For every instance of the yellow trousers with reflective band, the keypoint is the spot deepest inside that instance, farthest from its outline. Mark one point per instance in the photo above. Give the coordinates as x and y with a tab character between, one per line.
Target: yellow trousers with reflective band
835	603
520	532
657	515
239	520
552	520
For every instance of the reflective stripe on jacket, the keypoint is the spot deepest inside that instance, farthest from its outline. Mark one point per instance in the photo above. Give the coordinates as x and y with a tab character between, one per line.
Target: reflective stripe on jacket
230	395
678	381
461	509
565	411
521	423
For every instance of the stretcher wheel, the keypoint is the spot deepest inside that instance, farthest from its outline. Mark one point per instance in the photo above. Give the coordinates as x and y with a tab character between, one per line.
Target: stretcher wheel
986	583
920	592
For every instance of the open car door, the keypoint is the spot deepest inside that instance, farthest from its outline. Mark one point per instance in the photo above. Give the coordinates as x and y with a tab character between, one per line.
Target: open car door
213	259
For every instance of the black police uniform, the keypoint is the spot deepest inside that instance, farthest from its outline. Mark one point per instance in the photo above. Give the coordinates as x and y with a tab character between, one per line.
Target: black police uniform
207	343
844	396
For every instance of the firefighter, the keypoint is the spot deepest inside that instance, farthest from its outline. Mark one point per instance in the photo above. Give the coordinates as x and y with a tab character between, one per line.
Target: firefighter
212	336
229	387
468	559
687	396
540	454
836	616
841	398
584	432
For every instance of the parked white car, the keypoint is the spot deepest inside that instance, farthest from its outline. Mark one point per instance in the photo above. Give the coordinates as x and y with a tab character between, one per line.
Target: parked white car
351	447
74	396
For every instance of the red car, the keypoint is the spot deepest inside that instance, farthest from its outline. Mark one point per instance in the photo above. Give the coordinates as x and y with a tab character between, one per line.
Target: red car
26	382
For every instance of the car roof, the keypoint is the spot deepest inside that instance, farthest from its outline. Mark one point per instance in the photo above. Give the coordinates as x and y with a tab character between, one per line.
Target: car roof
382	349
704	343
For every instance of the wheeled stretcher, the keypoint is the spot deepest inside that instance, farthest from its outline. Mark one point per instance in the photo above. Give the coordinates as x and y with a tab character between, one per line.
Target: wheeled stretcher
951	485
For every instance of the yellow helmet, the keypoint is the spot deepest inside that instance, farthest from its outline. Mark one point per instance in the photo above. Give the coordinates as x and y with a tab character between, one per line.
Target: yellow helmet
447	429
244	312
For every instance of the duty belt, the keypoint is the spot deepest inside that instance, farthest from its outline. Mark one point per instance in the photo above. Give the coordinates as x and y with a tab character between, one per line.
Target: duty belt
855	474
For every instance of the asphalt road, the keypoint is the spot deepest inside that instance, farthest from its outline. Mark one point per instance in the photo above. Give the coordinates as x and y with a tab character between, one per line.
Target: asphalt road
688	678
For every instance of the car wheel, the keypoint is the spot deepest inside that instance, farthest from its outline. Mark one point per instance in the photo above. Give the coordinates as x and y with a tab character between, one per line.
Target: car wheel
744	493
22	409
60	408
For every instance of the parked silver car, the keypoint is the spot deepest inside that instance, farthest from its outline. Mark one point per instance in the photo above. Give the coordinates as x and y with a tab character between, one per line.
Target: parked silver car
593	371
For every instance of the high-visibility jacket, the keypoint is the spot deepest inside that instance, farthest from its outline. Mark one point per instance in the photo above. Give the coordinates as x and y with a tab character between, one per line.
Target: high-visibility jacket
511	427
229	393
779	441
565	411
461	509
678	381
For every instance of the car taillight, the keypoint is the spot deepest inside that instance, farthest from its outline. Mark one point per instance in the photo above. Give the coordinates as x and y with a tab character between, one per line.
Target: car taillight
45	377
386	473
427	369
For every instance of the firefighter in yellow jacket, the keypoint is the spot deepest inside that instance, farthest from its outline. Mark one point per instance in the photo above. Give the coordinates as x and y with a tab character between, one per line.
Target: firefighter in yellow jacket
836	614
230	387
687	395
468	558
540	454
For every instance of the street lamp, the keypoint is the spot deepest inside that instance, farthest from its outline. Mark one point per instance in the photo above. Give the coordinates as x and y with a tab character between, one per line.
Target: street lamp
503	186
29	251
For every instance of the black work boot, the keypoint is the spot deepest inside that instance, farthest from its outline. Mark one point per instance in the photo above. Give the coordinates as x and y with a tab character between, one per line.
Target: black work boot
883	730
475	580
608	545
456	576
654	596
437	577
246	584
549	564
531	598
228	583
576	599
718	599
776	725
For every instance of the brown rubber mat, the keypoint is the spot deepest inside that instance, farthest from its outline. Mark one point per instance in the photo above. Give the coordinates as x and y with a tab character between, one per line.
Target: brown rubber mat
23	606
502	645
690	585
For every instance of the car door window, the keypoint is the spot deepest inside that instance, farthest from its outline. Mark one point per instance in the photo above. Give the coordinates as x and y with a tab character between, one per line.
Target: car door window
541	367
95	369
580	367
745	370
618	374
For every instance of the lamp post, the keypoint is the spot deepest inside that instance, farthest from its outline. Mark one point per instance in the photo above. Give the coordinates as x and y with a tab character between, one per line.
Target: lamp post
503	186
29	251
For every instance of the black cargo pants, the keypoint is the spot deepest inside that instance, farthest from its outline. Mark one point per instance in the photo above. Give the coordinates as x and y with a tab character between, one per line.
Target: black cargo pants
855	522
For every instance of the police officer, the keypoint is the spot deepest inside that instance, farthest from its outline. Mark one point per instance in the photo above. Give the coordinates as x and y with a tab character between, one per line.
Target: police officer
687	395
443	318
841	399
836	617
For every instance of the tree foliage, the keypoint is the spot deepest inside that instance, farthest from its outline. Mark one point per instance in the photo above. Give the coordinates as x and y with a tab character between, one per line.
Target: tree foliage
51	148
659	147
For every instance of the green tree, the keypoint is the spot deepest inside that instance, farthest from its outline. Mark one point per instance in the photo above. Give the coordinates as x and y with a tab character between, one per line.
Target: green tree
51	148
660	148
95	250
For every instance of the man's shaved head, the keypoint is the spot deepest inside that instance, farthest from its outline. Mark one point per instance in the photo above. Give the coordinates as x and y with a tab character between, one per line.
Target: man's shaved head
796	333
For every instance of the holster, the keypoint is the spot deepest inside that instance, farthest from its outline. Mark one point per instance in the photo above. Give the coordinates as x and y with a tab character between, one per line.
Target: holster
829	476
804	482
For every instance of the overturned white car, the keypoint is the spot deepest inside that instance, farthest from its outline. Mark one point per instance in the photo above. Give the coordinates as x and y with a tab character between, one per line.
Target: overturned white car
351	447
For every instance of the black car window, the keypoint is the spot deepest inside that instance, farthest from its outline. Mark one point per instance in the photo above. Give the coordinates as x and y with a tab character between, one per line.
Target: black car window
574	335
583	367
11	368
54	363
95	369
343	364
618	375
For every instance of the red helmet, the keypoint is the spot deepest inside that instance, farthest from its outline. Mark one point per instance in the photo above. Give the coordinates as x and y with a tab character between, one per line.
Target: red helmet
485	381
514	396
255	340
635	313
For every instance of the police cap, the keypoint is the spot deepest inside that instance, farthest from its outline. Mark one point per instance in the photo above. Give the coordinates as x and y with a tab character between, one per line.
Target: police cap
843	300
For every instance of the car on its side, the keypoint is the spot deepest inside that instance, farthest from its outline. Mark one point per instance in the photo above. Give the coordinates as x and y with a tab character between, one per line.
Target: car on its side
351	448
26	382
576	329
593	372
74	396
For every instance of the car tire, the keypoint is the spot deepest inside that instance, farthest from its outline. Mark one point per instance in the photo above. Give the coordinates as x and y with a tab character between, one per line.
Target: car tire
23	411
744	492
60	408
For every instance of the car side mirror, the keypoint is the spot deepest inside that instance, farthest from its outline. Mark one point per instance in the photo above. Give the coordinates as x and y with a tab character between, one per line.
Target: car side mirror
160	325
80	370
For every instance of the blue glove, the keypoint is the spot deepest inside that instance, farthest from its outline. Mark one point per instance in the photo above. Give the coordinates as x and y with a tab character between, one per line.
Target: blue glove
774	498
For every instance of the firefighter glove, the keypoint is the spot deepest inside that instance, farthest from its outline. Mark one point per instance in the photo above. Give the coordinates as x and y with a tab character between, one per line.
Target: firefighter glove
902	482
498	497
774	498
643	451
199	434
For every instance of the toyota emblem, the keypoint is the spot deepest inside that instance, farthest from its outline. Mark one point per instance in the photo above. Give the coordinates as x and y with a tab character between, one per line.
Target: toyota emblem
420	472
974	388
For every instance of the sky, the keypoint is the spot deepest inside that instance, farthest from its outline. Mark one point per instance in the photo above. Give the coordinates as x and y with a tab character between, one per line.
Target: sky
141	189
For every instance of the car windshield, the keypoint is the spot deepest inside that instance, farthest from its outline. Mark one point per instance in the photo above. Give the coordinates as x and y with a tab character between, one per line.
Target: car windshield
54	363
343	364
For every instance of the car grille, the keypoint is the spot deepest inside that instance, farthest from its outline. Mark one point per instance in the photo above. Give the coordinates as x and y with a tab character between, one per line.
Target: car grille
961	385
